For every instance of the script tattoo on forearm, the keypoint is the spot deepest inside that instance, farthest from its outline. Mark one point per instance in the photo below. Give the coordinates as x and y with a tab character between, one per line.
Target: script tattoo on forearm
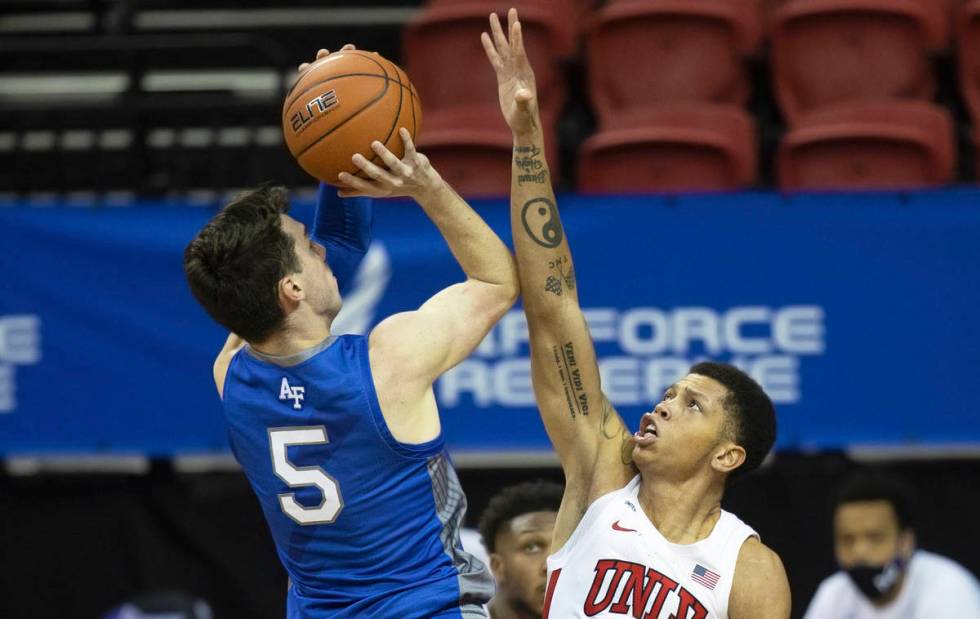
571	379
540	219
565	278
528	161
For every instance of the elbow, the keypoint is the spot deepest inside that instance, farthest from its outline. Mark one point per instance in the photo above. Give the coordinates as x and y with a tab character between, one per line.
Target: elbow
509	288
506	296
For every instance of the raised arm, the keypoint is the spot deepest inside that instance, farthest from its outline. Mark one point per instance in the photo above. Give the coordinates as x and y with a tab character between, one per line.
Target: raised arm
341	225
591	440
411	349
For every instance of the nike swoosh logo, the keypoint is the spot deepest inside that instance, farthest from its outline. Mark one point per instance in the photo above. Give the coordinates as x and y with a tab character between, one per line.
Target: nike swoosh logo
616	527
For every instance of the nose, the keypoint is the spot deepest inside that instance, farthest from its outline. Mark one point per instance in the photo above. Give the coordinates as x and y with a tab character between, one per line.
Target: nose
861	551
662	410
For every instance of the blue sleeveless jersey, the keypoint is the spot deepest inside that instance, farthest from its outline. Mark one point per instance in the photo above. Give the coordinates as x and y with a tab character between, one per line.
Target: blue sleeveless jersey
365	526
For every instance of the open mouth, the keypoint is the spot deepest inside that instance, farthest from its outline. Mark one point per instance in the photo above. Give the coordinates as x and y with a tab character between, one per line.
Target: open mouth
648	433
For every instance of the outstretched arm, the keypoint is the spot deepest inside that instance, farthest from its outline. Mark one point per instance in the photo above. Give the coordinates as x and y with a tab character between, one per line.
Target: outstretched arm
591	439
341	225
411	349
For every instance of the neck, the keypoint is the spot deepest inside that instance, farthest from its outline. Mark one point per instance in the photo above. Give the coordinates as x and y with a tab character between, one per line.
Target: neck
685	511
298	335
501	608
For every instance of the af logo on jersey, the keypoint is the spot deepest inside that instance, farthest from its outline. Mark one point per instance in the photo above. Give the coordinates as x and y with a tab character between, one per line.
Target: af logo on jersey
289	392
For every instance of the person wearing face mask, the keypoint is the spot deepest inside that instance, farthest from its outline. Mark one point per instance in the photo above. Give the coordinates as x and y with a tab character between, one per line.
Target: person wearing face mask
883	575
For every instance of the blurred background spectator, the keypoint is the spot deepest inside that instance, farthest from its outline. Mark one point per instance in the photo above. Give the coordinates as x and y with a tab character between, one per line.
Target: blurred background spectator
883	572
516	527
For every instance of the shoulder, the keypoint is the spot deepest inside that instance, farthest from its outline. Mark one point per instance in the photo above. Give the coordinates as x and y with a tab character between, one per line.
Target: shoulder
398	336
940	566
578	516
945	578
829	595
233	344
220	369
760	589
384	341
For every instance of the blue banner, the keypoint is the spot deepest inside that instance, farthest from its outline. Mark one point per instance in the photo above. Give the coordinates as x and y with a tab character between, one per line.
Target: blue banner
858	313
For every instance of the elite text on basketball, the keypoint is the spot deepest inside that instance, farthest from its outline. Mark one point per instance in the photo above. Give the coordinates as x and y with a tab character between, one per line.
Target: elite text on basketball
315	107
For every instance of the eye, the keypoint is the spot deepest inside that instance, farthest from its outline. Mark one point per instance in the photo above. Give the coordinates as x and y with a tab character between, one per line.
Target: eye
695	405
668	395
532	547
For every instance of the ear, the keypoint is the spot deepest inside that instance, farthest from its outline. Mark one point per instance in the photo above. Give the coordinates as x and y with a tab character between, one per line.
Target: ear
291	291
728	457
497	567
906	543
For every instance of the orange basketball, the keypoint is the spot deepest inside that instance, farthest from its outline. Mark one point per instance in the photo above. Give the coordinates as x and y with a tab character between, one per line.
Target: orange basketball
341	104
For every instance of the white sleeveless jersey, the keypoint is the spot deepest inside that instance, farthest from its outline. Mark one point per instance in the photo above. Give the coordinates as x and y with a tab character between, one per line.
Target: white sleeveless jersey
616	564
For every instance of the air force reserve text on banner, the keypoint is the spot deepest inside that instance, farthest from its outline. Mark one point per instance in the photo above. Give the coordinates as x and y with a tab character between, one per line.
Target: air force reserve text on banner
833	303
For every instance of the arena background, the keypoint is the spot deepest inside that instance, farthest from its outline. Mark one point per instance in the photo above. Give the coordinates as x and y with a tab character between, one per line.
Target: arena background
843	277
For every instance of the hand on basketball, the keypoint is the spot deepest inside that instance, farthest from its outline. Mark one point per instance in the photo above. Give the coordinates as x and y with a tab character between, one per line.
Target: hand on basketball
411	176
320	54
515	77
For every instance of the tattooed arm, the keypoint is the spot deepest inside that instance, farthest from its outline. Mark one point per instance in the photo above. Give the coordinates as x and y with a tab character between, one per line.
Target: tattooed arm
590	438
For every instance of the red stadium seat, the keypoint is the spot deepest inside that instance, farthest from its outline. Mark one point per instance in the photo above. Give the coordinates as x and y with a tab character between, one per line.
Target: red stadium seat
671	147
447	64
833	51
642	52
869	145
570	16
474	155
968	53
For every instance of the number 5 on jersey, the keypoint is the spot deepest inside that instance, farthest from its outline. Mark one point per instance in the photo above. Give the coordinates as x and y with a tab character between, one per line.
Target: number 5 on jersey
280	439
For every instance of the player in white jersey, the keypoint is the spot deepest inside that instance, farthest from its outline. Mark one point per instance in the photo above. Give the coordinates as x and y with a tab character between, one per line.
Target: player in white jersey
640	531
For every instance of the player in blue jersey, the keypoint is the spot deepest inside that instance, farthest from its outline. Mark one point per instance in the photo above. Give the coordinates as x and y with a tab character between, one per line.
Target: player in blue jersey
339	436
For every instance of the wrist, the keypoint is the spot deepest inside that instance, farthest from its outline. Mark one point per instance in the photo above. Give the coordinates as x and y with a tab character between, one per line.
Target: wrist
528	136
431	190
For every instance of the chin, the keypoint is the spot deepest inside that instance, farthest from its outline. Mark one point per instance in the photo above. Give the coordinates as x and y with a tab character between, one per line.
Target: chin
646	463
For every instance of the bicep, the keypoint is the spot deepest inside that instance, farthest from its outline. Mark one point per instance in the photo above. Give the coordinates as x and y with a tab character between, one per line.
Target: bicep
425	343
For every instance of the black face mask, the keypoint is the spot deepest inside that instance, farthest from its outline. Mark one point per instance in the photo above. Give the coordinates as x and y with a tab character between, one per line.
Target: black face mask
877	582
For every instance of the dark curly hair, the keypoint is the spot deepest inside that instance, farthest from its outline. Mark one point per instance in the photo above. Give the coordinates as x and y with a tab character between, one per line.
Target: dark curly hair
235	262
876	485
513	501
752	417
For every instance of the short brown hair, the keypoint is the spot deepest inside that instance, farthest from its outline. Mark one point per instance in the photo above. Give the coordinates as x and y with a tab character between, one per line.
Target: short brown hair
236	261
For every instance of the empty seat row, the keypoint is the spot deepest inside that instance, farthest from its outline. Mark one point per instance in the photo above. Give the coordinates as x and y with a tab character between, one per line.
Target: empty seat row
706	146
645	51
667	82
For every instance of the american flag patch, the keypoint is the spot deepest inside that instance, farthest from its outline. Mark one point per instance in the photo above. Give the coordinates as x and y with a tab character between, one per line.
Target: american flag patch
705	576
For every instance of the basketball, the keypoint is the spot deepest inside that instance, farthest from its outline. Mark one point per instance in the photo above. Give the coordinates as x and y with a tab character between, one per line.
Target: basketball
343	103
